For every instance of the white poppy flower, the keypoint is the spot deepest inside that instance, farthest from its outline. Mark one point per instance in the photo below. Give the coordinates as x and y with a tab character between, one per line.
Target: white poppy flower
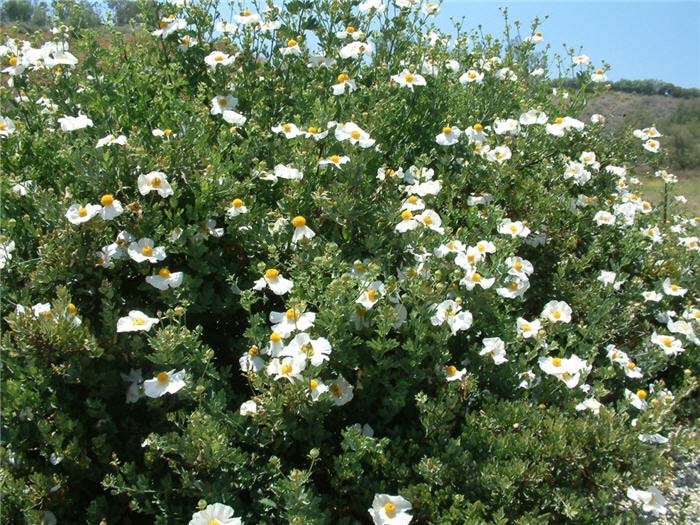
145	250
136	321
495	347
557	312
78	214
408	79
154	181
293	320
165	279
164	383
111	207
274	279
390	510
74	123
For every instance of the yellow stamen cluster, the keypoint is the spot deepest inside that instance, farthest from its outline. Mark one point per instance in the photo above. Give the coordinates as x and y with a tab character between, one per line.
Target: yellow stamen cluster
556	361
409	78
237	203
271	273
299	221
293	314
390	509
82	211
164	273
147	251
275	337
642	394
107	199
451	370
286	369
163	377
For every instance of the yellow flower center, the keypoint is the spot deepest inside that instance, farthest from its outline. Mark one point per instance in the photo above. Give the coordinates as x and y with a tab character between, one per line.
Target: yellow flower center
599	71
427	220
525	327
223	102
147	251
312	129
674	287
476	278
12	61
237	203
356	135
219	58
390	509
556	314
213	522
167	131
335	159
472	74
335	390
558	120
446	130
107	199
253	351
163	24
413	199
138	322
3	126
451	370
156	182
409	78
513	285
271	273
307	349
406	215
556	361
163	377
566	375
164	273
313	384
631	365
275	337
287	128
71	308
291	43
100	261
82	211
539	33
299	221
667	342
185	41
343	77
286	369
245	13
642	394
513	228
478	127
293	314
650	232
350	30
389	172
372	294
518	265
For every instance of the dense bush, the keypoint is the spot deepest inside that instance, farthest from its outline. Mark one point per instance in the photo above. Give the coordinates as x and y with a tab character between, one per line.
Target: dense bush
391	274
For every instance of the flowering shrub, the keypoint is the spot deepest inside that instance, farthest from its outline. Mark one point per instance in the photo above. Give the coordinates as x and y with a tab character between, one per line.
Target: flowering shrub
325	264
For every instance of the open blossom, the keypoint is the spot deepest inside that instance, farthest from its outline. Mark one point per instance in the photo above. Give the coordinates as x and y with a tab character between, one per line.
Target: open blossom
557	312
251	360
471	76
341	391
221	103
567	370
165	279
669	344
303	347
495	347
288	368
154	181
450	311
111	207
652	145
589	404
164	383
169	25
289	130
356	49
453	374
275	281
390	510
604	218
74	123
650	499
237	208
78	214
301	230
499	154
449	136
216	58
7	126
673	289
474	278
136	321
353	133
334	160
291	49
527	329
637	399
248	408
371	295
145	250
408	79
293	320
111	140
514	229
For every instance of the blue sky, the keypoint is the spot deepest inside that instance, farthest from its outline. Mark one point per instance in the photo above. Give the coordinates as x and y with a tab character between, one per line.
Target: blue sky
640	39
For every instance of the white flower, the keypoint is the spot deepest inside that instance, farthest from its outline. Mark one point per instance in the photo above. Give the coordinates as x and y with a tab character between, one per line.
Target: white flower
567	370
154	181
637	399
317	388
168	25
652	145
111	207
673	289
356	49
557	312
301	230
368	5
653	438
527	329
6	249
216	514
503	126
221	103
237	208
233	117
431	220
451	312
164	383
341	391
74	123
251	360
669	344
604	217
371	295
78	214
291	321
356	135
7	126
111	140
288	368
471	76
390	510
474	278
581	59
316	351
165	279
289	130
527	379
248	408
274	279
499	154
246	17
216	58
163	133
514	229
533	116
292	48
495	347
652	296
599	76
606	277
449	136
136	321
284	172
452	374
145	250
408	79
589	404
334	160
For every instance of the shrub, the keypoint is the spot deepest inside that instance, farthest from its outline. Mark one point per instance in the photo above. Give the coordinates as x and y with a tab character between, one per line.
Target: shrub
395	276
